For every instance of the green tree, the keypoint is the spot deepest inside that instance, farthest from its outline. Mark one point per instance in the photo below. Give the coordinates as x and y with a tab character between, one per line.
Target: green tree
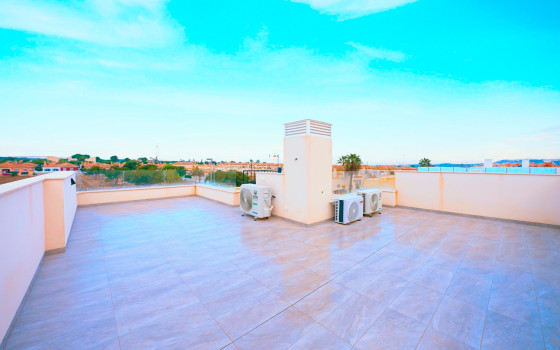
238	178
226	177
351	163
95	171
181	171
114	159
148	167
171	176
424	162
197	173
80	157
141	177
62	160
144	160
112	175
130	165
39	163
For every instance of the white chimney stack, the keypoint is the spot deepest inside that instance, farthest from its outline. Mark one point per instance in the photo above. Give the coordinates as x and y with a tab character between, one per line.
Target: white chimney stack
307	171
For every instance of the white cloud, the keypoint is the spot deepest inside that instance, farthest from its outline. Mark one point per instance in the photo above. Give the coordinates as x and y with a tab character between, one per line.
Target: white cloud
118	23
348	9
379	54
255	63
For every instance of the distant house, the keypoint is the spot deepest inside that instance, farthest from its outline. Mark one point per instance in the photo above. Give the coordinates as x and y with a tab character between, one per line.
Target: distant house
103	166
89	161
186	165
20	168
228	166
49	167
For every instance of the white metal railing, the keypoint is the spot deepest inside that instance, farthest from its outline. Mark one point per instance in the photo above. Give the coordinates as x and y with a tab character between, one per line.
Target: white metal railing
497	170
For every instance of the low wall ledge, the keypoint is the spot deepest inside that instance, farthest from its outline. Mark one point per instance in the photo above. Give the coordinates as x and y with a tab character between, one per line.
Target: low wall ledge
19	184
217	188
134	188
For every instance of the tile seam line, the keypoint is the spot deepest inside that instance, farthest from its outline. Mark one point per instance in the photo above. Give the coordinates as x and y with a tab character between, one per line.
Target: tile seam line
320	324
371	325
491	284
389	307
535	288
443	297
201	303
359	293
110	292
330	280
317	325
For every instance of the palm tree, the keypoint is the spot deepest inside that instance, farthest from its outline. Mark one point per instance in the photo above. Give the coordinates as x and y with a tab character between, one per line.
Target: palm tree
351	163
424	162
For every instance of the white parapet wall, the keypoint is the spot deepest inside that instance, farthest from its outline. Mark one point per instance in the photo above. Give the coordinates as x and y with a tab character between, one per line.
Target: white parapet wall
388	197
60	208
226	195
134	194
522	197
36	215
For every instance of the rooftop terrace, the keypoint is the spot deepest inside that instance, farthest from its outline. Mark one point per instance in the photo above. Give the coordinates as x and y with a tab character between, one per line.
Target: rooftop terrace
191	273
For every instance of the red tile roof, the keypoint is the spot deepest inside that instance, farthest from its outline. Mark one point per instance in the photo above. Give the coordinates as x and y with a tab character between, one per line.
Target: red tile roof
17	165
60	165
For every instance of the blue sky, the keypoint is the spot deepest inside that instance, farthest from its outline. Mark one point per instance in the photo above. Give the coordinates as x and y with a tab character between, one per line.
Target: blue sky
452	81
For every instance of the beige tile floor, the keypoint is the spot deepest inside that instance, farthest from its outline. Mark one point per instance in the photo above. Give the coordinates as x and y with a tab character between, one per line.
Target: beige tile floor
190	273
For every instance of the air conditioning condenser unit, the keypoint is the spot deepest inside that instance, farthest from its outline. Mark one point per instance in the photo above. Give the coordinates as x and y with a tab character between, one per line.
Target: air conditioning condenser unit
348	208
372	200
255	200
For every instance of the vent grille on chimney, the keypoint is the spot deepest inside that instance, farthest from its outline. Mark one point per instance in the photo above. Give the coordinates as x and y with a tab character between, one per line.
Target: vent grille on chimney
307	127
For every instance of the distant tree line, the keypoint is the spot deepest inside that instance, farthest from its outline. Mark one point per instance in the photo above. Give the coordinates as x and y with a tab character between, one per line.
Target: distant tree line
229	177
133	171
